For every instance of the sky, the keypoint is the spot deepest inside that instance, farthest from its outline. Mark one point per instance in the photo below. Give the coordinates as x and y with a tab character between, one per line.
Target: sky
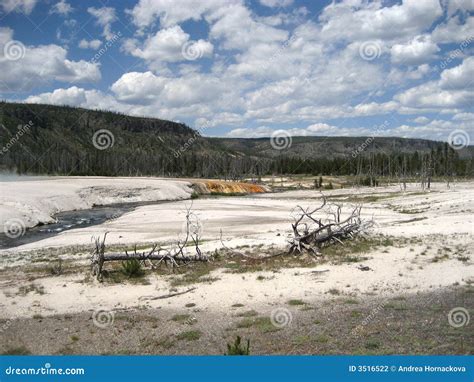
241	68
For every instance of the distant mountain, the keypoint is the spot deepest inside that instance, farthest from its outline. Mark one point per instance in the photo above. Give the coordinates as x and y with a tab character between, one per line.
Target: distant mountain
332	147
47	139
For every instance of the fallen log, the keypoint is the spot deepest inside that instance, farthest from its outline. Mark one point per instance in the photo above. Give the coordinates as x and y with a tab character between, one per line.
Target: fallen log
154	256
174	255
310	233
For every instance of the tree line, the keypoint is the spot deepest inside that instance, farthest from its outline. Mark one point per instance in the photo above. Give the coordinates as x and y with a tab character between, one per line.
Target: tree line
60	141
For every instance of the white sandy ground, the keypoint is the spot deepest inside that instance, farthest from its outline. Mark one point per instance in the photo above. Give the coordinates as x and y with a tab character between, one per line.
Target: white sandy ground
35	200
440	218
259	218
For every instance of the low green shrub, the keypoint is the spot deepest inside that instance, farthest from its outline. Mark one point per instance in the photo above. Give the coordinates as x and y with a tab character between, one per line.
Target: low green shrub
237	349
132	268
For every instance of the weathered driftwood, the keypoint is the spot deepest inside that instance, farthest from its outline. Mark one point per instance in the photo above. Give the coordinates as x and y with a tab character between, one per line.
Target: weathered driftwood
174	255
311	233
154	256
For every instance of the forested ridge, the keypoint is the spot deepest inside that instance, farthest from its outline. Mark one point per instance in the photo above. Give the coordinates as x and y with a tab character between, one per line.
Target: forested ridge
62	140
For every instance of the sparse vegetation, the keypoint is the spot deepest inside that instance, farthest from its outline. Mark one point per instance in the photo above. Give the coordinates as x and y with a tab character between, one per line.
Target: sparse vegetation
25	289
190	335
237	348
248	313
132	268
296	302
180	317
351	301
263	324
56	268
372	344
165	342
439	258
19	350
329	304
321	338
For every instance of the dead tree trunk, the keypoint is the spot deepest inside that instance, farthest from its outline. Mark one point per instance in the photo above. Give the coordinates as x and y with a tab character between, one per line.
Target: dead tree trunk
174	255
310	233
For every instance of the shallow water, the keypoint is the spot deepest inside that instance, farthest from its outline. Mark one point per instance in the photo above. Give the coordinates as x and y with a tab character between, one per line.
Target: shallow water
69	220
9	177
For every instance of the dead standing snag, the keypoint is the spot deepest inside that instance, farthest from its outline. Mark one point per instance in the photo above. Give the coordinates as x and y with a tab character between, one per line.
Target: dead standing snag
97	257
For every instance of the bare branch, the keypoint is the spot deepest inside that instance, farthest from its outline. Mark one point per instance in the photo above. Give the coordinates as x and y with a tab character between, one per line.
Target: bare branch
310	233
174	256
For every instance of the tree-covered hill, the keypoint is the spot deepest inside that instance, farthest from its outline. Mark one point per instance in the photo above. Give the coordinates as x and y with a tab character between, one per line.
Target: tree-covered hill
75	141
47	139
332	147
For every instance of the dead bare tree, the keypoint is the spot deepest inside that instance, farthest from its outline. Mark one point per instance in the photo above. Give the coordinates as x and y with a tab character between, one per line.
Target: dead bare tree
401	173
97	257
174	255
426	171
311	233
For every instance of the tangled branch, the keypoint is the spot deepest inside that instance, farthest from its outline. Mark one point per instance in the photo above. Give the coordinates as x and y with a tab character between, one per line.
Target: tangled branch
311	233
174	256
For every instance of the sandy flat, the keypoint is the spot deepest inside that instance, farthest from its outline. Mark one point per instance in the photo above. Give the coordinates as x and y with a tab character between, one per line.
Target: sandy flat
439	220
259	218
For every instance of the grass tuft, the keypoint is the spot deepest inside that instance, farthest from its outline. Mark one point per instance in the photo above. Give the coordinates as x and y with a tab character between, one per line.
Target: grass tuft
190	335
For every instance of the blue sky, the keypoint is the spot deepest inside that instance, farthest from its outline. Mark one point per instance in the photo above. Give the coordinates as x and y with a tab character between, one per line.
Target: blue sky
247	68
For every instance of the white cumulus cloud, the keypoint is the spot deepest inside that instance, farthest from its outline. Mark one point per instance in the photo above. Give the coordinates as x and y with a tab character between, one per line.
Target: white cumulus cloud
105	16
62	8
92	44
22	6
40	64
169	45
419	50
